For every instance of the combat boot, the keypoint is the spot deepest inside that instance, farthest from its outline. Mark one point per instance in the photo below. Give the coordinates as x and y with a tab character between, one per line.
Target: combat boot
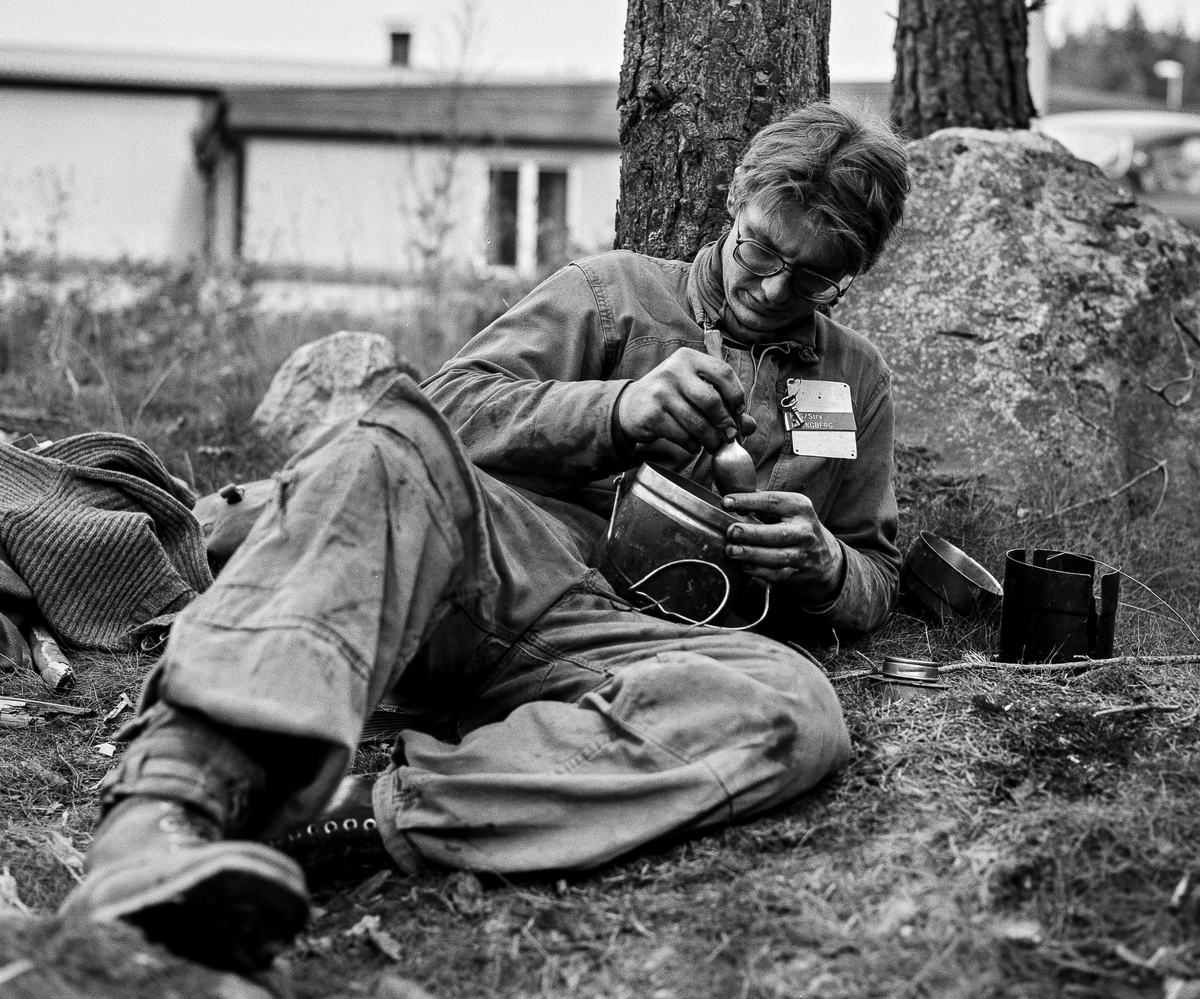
163	857
165	867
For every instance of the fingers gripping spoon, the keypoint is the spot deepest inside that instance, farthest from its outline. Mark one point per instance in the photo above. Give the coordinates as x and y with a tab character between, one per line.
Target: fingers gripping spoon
733	468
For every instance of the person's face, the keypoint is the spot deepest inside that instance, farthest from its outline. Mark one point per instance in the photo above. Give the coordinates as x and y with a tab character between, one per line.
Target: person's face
765	305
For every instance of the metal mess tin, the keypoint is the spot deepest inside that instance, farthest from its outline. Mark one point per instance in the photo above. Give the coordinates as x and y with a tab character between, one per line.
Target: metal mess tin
900	678
945	581
900	668
666	544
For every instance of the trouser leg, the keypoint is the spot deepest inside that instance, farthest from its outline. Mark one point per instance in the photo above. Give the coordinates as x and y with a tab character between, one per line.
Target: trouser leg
257	707
372	541
605	729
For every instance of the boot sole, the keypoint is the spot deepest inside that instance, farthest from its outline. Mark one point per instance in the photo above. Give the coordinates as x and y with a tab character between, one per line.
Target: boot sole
227	905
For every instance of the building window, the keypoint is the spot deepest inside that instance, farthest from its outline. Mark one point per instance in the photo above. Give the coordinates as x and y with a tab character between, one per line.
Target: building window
552	217
502	218
401	43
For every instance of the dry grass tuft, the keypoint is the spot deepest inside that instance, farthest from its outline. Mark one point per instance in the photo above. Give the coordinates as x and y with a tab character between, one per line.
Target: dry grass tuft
50	775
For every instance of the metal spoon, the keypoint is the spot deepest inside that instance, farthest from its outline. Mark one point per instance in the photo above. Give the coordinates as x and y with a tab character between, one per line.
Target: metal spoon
733	469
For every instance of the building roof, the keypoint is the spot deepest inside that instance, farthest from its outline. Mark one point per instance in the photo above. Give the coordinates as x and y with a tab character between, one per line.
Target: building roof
876	94
1062	99
132	70
578	113
325	99
1134	126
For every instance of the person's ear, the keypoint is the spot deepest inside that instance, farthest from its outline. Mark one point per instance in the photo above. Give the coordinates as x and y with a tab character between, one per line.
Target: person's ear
729	194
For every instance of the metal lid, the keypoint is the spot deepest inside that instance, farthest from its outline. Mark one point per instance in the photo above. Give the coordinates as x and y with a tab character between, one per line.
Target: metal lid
900	668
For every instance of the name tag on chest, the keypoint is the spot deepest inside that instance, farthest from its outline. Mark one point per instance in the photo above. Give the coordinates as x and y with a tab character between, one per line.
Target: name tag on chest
820	418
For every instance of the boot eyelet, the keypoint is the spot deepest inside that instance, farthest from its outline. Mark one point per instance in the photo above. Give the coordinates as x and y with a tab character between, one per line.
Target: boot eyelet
350	825
369	824
310	830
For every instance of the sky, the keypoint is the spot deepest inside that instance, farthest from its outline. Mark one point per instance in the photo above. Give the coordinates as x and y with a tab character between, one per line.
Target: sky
577	38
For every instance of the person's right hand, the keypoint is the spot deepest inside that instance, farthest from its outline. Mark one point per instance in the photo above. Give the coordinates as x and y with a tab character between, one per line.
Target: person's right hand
690	399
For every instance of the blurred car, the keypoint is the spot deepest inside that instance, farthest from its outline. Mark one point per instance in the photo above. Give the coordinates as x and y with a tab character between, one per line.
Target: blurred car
1156	154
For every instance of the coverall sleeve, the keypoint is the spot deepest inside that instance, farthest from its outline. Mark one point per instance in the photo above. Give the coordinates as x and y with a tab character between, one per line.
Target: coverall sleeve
528	396
864	519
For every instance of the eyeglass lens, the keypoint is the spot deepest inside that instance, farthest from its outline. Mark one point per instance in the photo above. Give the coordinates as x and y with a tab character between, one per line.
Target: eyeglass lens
763	262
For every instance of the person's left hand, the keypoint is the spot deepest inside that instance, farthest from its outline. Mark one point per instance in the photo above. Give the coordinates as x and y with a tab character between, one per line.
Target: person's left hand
795	548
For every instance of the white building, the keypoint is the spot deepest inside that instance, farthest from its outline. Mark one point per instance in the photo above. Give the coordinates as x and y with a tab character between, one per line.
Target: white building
391	178
305	169
97	164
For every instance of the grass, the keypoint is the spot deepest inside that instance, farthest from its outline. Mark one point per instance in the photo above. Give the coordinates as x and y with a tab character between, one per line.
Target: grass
1012	836
180	358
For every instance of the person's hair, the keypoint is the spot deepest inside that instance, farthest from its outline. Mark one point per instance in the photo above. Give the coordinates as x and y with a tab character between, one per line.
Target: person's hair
844	167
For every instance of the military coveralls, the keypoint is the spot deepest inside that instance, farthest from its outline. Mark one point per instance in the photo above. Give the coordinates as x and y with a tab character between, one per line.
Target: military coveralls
532	398
553	726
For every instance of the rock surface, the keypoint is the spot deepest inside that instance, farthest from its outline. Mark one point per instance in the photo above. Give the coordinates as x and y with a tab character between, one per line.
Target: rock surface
325	382
1030	310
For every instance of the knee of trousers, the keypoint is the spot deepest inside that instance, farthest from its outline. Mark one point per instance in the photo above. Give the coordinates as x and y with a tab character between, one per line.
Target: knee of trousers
775	665
407	428
780	710
807	698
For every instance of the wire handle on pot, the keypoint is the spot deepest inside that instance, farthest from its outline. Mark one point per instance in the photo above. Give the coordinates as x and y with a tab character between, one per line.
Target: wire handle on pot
706	622
654	602
612	517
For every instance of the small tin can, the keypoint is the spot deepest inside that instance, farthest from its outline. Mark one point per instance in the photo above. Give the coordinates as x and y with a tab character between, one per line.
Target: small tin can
899	668
900	678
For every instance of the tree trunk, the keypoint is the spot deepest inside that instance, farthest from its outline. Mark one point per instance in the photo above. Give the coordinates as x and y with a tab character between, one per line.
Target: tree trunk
961	62
699	78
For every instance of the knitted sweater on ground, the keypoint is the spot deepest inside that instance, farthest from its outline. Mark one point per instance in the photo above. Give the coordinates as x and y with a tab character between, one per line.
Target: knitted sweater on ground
103	535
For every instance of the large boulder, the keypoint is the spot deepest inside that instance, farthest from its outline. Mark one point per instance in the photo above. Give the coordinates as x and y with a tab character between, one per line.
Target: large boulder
325	382
1041	325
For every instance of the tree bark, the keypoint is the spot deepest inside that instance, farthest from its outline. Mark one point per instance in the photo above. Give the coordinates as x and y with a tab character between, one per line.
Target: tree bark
961	62
699	78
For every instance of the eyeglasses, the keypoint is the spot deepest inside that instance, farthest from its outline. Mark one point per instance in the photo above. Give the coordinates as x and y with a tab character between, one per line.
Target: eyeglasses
762	261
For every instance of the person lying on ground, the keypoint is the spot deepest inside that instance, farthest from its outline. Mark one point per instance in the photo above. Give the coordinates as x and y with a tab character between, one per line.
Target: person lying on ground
554	727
